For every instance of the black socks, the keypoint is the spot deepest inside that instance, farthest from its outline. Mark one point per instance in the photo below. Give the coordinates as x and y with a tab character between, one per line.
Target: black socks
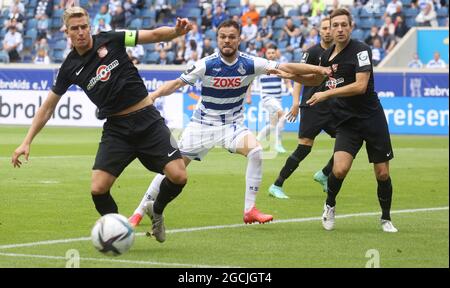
167	192
105	204
384	192
327	169
292	163
334	186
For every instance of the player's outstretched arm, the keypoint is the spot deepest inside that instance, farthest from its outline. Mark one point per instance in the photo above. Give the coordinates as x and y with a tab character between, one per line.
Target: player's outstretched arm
308	80
42	116
356	88
304	69
164	34
167	88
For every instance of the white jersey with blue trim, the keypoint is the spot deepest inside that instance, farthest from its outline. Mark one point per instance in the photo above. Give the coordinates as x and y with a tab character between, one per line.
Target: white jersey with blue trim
224	86
270	87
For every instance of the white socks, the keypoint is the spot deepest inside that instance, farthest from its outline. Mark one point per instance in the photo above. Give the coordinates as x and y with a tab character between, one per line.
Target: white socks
253	177
279	129
151	194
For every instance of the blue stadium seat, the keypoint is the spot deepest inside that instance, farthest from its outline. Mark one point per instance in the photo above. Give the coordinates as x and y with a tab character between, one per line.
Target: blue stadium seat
279	23
31	23
151	58
234	11
210	34
57	56
358	34
293	12
410	12
288	56
367	23
135	24
442	12
233	3
170	56
4	57
262	13
365	14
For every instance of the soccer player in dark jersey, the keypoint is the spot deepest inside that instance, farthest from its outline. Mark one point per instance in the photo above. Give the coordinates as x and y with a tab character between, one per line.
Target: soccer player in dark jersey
313	119
134	128
359	116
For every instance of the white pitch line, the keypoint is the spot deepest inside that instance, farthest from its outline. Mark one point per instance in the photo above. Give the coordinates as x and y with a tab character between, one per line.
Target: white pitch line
113	260
216	227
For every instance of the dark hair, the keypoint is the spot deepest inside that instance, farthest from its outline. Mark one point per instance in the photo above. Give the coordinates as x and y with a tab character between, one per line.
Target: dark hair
340	12
229	23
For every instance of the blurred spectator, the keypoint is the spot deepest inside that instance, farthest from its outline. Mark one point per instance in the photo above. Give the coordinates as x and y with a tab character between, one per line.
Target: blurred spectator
190	48
387	24
305	27
162	60
219	17
264	32
42	43
275	11
164	46
281	58
217	3
192	59
392	7
427	16
19	5
436	62
398	12
133	59
245	7
317	5
179	55
15	18
334	6
251	48
415	62
129	9
12	43
68	47
304	9
102	26
315	20
312	39
195	35
41	57
377	52
372	36
252	14
293	35
118	18
102	14
249	31
112	6
44	7
400	27
136	52
207	48
42	25
207	19
388	40
163	8
64	4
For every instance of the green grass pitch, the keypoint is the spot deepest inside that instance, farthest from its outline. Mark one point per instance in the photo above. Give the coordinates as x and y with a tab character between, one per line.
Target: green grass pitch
49	199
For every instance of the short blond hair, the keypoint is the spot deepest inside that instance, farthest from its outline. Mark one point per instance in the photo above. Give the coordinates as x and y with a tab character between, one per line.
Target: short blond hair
74	11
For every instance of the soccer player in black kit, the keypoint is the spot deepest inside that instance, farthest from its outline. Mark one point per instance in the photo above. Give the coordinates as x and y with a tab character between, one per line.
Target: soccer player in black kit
358	114
134	128
313	119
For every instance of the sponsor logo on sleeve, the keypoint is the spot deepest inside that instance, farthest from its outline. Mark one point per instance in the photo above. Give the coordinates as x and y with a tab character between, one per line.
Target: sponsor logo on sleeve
363	58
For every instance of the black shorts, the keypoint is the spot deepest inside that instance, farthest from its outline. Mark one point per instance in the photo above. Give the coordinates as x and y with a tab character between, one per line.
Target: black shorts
374	131
313	121
141	134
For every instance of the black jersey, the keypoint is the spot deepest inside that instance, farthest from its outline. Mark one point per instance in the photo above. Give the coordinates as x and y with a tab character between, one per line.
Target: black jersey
356	57
105	73
311	56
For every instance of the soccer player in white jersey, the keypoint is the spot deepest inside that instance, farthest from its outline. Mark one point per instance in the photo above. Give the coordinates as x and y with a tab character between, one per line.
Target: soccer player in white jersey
218	118
271	90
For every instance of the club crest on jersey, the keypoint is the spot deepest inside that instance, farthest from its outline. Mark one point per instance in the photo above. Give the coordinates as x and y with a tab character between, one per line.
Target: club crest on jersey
241	69
333	83
102	52
102	74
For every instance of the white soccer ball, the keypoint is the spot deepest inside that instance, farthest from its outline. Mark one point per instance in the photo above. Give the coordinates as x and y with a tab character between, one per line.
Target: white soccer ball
112	234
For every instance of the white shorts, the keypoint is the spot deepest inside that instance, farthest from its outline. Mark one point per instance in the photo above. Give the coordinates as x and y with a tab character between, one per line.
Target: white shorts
197	139
272	105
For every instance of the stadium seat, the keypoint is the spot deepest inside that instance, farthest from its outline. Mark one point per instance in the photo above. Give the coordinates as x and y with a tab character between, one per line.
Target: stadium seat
233	3
31	23
170	56
367	23
279	23
135	24
293	13
442	12
288	56
4	57
358	34
151	58
262	13
410	12
365	14
234	11
211	34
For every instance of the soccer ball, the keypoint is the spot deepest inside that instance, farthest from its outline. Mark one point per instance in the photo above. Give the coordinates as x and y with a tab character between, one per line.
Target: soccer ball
112	234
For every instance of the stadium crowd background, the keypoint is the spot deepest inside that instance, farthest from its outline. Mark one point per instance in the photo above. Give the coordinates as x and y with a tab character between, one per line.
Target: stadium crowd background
32	30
